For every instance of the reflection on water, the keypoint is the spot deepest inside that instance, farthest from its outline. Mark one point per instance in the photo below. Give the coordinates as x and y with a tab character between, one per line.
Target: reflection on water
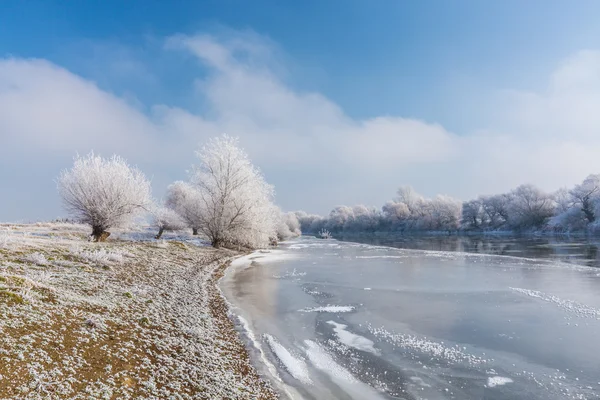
576	250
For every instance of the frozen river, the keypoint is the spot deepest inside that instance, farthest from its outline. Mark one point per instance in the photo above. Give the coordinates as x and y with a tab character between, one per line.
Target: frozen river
340	320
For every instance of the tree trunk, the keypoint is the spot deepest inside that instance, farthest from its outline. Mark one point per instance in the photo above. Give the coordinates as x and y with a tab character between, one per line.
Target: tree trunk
217	243
195	231
160	232
99	234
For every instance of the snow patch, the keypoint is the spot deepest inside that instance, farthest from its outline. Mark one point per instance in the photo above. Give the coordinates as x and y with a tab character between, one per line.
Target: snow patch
353	340
494	381
263	257
256	343
323	361
295	366
380	257
581	310
338	374
438	351
291	274
329	309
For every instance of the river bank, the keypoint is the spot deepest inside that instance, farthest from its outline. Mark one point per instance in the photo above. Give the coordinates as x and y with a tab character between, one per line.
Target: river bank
122	319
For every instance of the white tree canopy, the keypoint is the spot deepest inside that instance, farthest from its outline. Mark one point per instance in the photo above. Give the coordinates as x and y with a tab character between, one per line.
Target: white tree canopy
236	200
104	193
185	199
166	219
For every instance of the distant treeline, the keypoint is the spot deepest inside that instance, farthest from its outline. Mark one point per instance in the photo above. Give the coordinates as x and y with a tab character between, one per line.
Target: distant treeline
524	209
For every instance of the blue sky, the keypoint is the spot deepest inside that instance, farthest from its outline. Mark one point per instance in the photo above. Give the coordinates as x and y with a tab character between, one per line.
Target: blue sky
334	83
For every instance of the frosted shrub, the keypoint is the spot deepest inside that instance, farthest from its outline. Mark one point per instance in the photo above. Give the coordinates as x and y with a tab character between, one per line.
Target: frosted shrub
236	201
101	256
103	193
165	219
325	234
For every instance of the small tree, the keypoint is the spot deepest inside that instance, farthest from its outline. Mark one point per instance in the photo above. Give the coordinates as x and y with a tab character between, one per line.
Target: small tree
104	193
235	199
166	219
185	199
529	207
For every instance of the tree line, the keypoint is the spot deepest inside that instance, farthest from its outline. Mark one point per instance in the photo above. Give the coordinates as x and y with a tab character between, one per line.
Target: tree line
526	208
226	199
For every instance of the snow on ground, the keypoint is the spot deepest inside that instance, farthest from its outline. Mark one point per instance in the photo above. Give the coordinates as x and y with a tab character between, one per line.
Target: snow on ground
122	319
329	309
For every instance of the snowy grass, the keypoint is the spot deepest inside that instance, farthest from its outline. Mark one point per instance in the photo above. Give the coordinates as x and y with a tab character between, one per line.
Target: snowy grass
101	256
152	325
5	240
36	258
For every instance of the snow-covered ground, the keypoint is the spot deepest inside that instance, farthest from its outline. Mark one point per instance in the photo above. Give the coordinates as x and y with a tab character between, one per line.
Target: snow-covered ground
129	318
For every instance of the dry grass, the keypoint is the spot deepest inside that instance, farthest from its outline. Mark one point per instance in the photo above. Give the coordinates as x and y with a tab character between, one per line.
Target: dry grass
121	319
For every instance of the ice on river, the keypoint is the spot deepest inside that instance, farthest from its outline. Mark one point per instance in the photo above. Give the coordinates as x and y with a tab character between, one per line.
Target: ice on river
380	322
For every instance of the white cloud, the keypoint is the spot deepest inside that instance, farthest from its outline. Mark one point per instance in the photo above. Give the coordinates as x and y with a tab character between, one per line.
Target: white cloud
315	154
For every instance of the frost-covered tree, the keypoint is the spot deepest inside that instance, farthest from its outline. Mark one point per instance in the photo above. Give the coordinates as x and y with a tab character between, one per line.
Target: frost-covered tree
338	217
395	215
568	216
446	212
236	200
364	219
529	207
288	226
441	213
185	199
166	219
563	200
104	193
495	209
310	223
408	196
473	216
586	196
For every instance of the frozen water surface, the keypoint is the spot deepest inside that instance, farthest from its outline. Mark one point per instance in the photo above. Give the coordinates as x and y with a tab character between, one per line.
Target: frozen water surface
374	322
